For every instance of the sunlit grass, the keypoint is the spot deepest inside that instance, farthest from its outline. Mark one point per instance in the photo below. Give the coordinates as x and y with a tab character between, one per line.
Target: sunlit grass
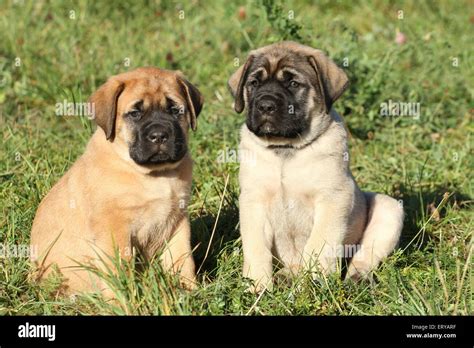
427	163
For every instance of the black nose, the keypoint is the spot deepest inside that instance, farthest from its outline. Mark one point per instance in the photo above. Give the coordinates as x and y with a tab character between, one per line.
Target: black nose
158	136
266	106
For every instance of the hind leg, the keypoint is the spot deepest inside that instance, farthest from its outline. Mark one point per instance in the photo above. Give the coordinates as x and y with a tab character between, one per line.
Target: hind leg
380	237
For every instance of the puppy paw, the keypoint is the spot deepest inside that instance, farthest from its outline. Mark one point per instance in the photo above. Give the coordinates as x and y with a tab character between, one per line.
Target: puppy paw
359	271
286	275
325	262
188	284
259	288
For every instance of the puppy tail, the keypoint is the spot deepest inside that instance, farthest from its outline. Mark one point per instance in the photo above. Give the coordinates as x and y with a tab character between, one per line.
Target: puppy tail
381	235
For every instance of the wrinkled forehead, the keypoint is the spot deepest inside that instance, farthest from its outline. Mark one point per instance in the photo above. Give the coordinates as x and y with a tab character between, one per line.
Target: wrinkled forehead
280	66
154	90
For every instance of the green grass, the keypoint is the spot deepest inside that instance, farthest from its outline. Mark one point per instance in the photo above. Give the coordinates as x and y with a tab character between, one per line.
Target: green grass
417	161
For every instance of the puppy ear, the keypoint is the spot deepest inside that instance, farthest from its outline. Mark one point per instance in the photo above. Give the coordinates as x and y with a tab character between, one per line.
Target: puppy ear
332	81
104	102
237	82
194	99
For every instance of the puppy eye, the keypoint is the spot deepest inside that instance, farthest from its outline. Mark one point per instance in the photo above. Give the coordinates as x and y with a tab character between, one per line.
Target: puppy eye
254	83
135	114
294	84
177	110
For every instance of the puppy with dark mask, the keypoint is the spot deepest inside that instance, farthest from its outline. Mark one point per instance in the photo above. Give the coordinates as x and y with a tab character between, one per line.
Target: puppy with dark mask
131	186
299	204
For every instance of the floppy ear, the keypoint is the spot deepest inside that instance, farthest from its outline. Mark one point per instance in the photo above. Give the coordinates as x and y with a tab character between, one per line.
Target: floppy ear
104	102
332	81
194	99
237	82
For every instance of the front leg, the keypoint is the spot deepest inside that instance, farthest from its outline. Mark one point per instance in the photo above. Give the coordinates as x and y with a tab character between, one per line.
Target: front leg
330	225
177	257
256	243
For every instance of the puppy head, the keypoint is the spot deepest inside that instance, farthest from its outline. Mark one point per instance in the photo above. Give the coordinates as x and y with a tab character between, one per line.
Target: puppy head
146	114
285	86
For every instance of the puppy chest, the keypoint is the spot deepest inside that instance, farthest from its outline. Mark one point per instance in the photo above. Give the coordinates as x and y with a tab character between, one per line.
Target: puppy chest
155	223
291	221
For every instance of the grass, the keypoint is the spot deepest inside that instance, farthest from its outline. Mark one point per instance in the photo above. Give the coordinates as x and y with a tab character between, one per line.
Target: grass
56	50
